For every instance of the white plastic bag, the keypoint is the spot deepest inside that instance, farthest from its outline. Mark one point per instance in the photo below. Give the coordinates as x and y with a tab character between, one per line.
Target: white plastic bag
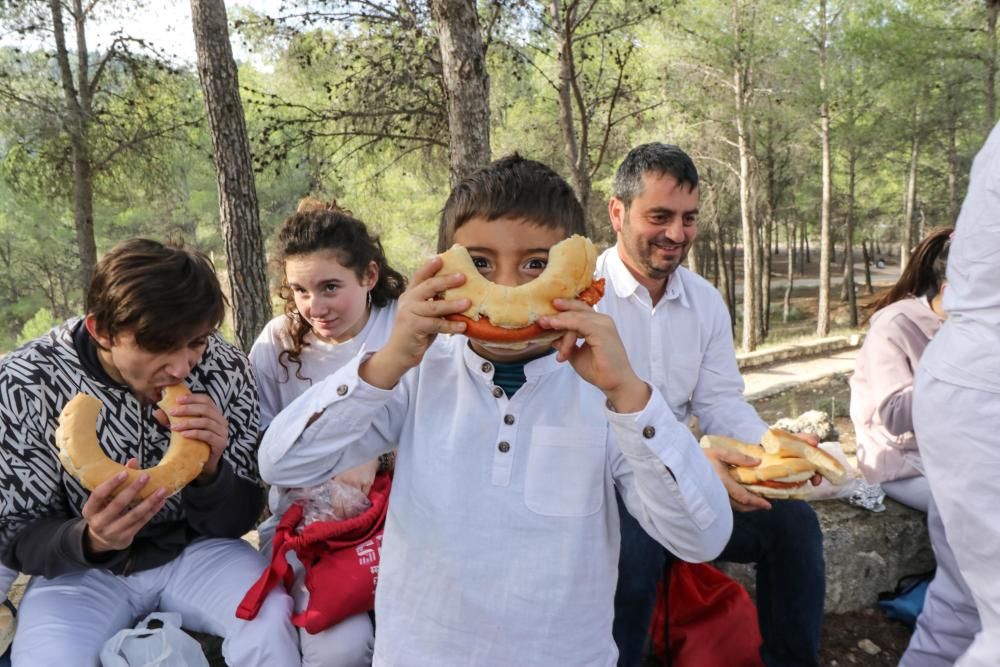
142	646
330	501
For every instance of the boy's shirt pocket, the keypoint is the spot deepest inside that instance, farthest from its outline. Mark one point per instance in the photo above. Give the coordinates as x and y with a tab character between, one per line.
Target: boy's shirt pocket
567	471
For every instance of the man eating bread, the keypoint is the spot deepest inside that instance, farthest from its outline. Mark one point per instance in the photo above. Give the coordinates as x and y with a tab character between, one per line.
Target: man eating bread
105	551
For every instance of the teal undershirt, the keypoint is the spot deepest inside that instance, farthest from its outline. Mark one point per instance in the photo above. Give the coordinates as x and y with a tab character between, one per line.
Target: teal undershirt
509	375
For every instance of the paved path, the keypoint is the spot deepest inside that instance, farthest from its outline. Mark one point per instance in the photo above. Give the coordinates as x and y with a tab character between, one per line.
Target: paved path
769	380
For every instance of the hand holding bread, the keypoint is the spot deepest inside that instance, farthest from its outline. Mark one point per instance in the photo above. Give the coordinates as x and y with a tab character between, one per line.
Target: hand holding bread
81	453
787	464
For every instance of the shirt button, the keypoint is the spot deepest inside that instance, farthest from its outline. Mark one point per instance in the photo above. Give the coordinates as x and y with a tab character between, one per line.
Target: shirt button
508	419
648	432
342	390
486	367
498	392
504	447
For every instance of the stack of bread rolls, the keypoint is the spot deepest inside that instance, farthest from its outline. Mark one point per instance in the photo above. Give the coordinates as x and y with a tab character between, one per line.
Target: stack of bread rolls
787	463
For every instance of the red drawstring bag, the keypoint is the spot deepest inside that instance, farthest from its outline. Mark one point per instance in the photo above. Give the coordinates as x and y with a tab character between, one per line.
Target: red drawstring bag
341	561
703	618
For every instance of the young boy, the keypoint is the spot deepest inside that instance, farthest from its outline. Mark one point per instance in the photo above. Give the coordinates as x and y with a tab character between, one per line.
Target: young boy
501	542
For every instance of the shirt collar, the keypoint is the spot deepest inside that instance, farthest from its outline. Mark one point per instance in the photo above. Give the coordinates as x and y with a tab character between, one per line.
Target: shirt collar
478	365
625	284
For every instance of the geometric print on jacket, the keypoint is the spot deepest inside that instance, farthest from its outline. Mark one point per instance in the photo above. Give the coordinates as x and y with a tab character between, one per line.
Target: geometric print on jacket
37	380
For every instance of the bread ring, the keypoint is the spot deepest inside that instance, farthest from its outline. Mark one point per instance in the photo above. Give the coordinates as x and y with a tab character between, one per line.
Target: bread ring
82	456
7	626
569	271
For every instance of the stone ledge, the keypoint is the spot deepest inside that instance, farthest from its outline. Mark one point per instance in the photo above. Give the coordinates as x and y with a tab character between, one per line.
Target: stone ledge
747	360
865	553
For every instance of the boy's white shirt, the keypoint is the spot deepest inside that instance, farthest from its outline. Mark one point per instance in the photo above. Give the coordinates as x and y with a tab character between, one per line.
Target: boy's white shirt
502	557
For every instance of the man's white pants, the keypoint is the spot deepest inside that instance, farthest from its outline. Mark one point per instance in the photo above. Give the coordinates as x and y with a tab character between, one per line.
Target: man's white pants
66	620
958	433
7	577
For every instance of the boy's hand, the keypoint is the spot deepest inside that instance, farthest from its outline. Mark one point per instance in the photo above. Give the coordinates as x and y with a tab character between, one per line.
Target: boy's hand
601	359
419	319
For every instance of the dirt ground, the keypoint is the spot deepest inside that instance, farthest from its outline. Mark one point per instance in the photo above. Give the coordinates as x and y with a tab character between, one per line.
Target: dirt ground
863	637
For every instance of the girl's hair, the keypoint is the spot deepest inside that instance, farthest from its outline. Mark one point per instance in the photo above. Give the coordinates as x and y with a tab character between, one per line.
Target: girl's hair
318	226
924	273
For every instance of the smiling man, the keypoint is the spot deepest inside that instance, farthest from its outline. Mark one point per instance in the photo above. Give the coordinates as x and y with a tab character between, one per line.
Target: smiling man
102	559
678	335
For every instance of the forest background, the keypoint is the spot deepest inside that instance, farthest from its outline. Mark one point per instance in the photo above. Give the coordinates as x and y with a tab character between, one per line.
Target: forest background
841	130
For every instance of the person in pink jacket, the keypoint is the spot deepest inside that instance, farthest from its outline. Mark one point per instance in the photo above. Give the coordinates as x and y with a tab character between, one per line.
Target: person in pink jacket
903	321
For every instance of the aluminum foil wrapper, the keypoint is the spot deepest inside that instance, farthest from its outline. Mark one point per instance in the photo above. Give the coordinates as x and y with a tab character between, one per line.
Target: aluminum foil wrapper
866	496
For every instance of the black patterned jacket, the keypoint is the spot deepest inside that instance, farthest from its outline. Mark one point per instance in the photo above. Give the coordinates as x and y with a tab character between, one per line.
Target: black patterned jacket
41	529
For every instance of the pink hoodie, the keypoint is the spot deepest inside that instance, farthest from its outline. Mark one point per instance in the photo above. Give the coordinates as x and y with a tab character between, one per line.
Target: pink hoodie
882	388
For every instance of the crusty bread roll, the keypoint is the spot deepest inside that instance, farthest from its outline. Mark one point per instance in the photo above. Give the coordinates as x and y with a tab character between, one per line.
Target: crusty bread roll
82	456
569	271
785	444
725	443
802	492
774	468
774	477
7	626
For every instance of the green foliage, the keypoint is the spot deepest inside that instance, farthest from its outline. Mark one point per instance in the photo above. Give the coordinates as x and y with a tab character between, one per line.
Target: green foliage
344	101
40	323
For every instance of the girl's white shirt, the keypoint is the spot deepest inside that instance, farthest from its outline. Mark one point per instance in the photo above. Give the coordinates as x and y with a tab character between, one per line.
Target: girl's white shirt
278	386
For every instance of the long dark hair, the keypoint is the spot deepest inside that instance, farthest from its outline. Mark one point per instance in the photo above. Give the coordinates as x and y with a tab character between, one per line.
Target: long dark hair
924	273
317	226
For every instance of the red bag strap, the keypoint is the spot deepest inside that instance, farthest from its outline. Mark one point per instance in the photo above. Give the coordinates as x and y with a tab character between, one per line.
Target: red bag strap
285	540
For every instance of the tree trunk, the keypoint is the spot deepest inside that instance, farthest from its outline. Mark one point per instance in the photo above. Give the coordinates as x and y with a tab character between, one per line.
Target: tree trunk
823	309
952	160
750	306
786	304
576	146
238	210
78	112
852	300
466	85
692	259
992	11
868	267
908	231
768	262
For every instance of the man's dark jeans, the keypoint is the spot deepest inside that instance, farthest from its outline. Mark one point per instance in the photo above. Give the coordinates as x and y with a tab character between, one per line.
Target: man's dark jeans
786	544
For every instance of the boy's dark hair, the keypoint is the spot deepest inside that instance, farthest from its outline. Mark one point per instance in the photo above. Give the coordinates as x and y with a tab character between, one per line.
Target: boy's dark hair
320	226
654	158
925	271
162	294
512	187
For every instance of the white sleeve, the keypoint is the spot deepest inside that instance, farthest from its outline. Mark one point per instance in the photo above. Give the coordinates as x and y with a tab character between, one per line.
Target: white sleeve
264	360
667	482
717	400
338	423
